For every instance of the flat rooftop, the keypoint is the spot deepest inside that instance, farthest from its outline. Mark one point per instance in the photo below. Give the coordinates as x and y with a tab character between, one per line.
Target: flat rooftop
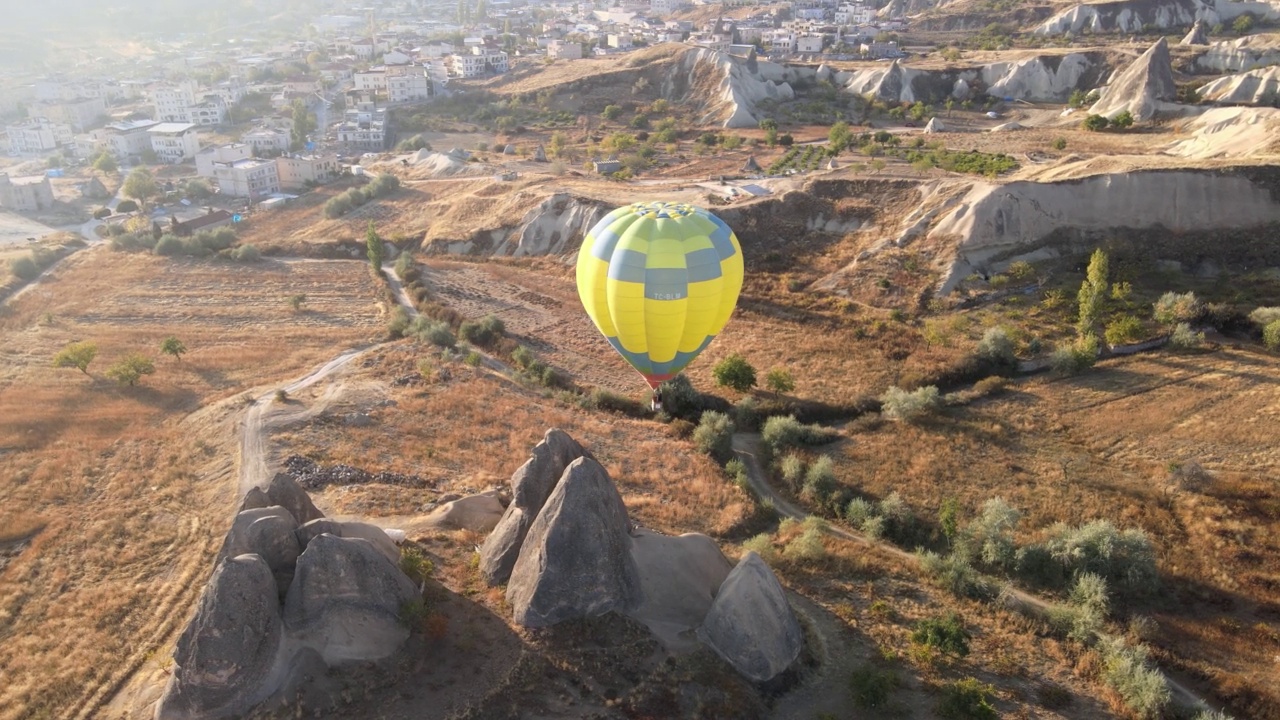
171	128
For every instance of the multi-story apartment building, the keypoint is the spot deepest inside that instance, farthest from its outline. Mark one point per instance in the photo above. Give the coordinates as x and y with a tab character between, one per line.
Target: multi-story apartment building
37	136
186	103
174	142
373	80
126	139
214	155
564	50
250	178
268	141
855	14
406	83
25	194
481	61
296	171
809	43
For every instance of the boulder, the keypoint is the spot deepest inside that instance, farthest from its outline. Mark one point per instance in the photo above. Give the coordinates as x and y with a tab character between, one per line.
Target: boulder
751	624
1199	35
576	561
934	126
288	494
480	513
345	600
268	533
349	529
679	577
227	652
530	486
1141	87
961	90
254	499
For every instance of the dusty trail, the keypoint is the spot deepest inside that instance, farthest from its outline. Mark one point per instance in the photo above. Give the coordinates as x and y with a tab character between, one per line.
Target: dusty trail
747	447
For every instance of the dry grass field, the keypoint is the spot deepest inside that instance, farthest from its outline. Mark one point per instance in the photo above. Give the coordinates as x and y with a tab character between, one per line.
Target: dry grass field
112	499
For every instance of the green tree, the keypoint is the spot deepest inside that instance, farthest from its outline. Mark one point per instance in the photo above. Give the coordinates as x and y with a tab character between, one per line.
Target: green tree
373	246
198	189
1093	292
297	301
131	368
1094	123
304	123
1243	24
1123	120
140	185
949	518
105	163
77	355
1271	335
25	268
173	346
779	380
770	128
840	136
735	372
611	112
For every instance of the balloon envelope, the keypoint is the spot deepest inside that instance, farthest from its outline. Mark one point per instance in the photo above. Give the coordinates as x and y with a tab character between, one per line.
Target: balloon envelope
659	280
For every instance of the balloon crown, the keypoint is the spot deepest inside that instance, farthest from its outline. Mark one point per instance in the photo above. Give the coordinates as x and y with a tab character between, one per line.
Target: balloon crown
659	209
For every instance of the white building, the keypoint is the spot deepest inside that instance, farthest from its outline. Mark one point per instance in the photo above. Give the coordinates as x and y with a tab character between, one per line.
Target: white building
126	139
174	142
406	83
809	13
619	41
185	103
209	158
711	42
809	43
295	172
437	70
563	50
268	141
481	61
855	14
231	90
250	178
37	136
373	80
780	40
665	7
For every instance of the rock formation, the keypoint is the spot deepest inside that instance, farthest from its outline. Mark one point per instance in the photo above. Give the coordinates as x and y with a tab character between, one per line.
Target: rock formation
268	533
1198	35
1240	55
751	624
1260	86
552	226
288	494
226	653
1047	77
530	487
934	126
348	529
1141	87
480	513
576	560
751	166
345	600
1132	16
679	577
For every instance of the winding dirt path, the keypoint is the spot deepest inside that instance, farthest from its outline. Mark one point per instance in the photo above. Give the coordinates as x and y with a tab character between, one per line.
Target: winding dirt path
747	447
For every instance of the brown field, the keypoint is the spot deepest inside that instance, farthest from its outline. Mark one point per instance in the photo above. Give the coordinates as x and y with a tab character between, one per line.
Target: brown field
114	498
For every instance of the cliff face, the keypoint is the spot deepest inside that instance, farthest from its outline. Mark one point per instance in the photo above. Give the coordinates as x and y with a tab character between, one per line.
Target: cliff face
1129	16
726	89
1045	78
1246	53
1255	87
1142	87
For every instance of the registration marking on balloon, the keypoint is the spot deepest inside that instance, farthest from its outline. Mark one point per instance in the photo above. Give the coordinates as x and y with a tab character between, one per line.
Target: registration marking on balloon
660	281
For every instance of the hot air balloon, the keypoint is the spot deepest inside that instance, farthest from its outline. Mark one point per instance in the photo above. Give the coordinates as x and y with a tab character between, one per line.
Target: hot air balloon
659	280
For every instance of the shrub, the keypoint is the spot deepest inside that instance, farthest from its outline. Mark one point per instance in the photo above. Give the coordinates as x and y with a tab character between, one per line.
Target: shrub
1271	335
1264	316
1175	307
1074	358
735	372
966	700
1184	338
679	399
858	511
779	380
954	574
899	404
130	369
601	399
1124	329
784	432
819	480
173	346
996	347
792	468
1123	120
338	206
415	564
870	685
297	301
1094	123
1211	714
77	355
473	359
126	206
990	535
398	323
246	253
746	413
1126	559
945	634
761	545
25	268
1142	687
714	435
807	546
170	245
1060	143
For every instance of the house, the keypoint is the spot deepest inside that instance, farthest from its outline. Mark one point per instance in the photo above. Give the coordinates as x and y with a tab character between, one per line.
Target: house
809	43
127	139
231	90
711	42
855	14
267	141
214	155
605	167
373	80
481	61
395	57
336	73
406	83
185	103
302	85
251	178
879	50
79	113
25	194
212	219
437	49
619	41
366	48
364	128
174	142
37	136
665	7
296	172
564	50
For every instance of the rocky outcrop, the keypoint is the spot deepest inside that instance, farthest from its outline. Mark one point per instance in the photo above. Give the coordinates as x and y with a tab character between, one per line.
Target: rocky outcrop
225	657
1228	132
530	487
349	529
478	513
1143	88
991	224
1197	35
1246	53
288	494
345	600
1255	87
726	89
934	126
751	624
576	560
554	227
679	578
1132	16
1044	78
268	533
